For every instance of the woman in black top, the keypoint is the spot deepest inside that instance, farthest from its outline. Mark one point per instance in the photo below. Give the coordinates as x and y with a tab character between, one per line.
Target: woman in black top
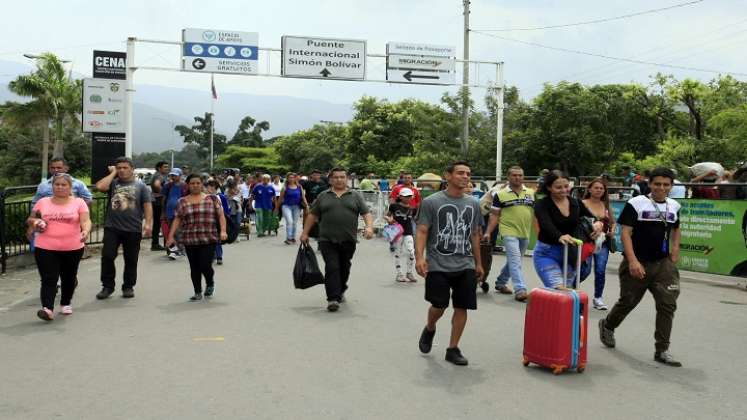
558	216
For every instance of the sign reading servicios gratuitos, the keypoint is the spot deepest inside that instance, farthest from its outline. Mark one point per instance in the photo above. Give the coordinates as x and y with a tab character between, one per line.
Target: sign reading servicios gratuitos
324	58
217	51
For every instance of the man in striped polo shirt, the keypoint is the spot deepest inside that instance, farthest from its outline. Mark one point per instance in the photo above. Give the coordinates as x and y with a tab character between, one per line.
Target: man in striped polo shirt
513	209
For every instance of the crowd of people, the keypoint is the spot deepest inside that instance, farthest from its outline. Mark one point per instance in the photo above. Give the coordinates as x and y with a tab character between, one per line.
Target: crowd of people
435	237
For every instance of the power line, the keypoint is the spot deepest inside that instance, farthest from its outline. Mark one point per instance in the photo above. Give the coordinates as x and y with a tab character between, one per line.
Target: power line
608	57
662	51
589	22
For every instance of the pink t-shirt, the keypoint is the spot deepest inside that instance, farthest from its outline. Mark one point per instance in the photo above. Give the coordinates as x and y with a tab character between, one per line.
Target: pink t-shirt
63	224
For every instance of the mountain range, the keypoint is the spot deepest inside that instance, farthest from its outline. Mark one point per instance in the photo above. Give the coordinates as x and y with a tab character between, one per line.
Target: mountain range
156	109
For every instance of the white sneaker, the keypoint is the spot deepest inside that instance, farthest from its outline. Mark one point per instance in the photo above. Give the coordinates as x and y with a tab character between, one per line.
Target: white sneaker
598	303
67	310
400	278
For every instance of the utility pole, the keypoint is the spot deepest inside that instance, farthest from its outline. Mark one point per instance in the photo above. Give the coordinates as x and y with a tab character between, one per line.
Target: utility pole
465	83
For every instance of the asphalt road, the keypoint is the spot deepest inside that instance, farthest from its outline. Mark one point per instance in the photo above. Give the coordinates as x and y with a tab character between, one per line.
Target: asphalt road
260	349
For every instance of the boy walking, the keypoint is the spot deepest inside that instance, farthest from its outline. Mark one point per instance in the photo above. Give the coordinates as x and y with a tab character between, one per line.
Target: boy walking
449	227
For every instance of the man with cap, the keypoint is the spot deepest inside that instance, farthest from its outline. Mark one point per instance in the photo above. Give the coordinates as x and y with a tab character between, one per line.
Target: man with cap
174	189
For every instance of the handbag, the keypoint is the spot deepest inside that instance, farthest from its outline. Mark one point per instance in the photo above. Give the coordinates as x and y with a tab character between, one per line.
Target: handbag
392	232
306	271
232	230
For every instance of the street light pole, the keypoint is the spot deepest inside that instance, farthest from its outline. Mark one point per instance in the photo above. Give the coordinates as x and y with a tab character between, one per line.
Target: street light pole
173	129
465	83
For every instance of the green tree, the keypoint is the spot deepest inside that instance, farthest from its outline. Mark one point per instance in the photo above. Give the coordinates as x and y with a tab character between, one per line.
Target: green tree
199	134
249	133
56	97
320	147
251	159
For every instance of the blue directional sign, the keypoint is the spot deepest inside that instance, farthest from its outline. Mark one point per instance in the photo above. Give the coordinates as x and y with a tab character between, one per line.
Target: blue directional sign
217	51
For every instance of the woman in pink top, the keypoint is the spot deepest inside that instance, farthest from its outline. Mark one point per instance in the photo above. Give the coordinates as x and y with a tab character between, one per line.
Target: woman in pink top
62	224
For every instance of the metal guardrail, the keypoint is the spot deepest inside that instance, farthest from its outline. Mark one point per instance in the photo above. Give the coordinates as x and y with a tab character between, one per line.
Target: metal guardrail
13	215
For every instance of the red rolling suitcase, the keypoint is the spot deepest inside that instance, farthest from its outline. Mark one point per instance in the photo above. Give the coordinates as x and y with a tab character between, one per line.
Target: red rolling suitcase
555	326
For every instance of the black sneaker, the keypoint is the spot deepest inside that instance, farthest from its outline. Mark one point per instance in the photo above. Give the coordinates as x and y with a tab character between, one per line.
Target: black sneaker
104	293
219	261
157	248
485	287
196	297
606	335
666	358
454	356
333	306
209	291
128	293
426	340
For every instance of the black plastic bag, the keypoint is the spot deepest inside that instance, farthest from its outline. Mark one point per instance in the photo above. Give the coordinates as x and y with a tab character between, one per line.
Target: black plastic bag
232	231
306	272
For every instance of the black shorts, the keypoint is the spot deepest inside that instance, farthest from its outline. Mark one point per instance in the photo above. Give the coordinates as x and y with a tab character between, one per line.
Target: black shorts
459	286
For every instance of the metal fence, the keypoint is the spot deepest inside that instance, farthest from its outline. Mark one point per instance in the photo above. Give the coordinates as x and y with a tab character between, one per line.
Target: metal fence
15	207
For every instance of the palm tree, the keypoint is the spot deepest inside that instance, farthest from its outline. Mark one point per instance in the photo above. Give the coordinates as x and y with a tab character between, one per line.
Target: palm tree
56	97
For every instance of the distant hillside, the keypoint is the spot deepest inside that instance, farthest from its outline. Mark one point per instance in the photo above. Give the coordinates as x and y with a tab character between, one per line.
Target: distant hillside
155	108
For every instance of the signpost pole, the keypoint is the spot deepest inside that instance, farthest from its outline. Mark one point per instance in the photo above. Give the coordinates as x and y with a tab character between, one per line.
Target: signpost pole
499	123
212	130
128	95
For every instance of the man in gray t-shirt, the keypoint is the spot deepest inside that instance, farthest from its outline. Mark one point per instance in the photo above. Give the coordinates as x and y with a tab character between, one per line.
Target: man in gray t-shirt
129	203
449	227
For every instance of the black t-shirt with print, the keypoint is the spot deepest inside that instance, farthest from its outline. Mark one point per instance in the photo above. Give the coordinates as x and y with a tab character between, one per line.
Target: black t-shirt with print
650	233
404	215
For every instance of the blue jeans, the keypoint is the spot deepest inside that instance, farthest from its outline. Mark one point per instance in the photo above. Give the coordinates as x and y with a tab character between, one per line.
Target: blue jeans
515	248
219	251
291	215
600	268
548	262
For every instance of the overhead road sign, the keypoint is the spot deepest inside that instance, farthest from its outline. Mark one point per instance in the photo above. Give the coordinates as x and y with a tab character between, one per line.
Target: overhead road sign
420	77
218	51
406	48
323	58
103	106
420	63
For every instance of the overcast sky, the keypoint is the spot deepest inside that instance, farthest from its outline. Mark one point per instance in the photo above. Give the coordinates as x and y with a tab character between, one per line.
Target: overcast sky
706	35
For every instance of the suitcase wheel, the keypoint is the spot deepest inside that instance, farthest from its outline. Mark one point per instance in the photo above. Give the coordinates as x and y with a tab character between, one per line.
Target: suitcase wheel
525	361
581	369
557	370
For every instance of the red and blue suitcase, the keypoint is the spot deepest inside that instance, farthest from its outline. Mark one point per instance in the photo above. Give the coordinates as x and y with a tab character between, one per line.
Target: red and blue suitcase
555	326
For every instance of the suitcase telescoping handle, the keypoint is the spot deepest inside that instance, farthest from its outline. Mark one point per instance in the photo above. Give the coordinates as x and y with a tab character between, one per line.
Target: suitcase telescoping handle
578	243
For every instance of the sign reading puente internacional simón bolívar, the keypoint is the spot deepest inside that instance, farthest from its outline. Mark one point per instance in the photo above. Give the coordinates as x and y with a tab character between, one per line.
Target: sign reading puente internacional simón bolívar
323	58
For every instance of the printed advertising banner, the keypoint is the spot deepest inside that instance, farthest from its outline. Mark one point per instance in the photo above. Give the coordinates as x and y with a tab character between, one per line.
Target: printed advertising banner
714	236
103	106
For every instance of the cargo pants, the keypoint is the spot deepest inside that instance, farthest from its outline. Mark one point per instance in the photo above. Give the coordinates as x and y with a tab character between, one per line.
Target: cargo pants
663	281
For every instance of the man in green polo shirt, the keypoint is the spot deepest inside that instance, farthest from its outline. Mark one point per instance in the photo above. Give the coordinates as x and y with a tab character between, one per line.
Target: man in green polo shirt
513	208
337	210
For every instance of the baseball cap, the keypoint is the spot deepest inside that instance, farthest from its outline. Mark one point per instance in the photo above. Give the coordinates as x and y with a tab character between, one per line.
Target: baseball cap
406	192
176	172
